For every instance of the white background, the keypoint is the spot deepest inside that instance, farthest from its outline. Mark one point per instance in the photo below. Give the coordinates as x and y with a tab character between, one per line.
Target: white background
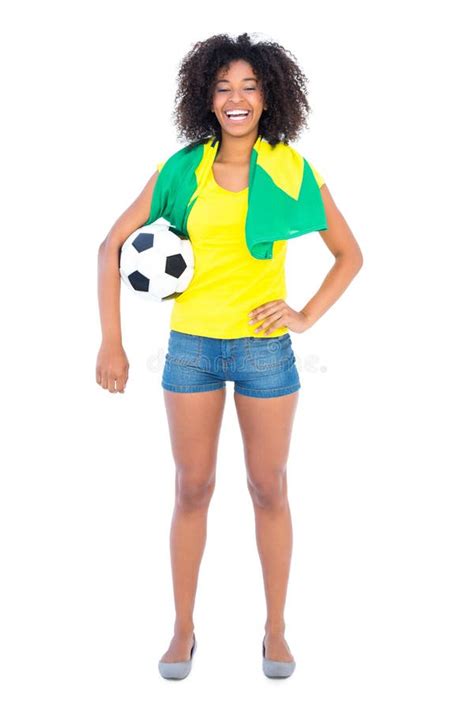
379	611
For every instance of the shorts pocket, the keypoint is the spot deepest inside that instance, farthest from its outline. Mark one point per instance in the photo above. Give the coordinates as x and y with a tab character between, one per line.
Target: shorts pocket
269	353
184	348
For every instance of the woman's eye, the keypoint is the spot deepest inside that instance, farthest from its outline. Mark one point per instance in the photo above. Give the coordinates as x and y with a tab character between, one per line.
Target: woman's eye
248	88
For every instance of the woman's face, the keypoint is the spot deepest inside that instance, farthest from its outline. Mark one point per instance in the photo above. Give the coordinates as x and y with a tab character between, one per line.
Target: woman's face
237	88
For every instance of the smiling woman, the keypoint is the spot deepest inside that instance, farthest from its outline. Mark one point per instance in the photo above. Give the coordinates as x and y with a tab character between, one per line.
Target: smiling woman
239	191
242	104
238	114
206	89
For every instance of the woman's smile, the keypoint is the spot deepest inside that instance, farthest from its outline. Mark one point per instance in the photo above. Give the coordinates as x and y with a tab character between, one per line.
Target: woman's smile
237	116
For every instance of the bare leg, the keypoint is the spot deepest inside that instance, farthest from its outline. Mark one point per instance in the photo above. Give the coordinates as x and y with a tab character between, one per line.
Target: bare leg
194	421
266	425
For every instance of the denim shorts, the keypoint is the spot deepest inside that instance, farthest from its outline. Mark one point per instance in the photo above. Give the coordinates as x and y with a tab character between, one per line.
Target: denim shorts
259	366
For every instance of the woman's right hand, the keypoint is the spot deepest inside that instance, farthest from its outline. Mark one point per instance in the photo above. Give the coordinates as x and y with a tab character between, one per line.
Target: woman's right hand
112	367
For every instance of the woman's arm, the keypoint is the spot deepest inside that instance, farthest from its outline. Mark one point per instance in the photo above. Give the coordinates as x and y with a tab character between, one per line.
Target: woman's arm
112	364
341	242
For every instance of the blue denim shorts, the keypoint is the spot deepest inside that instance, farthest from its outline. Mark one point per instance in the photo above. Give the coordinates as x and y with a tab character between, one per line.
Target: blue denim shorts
259	366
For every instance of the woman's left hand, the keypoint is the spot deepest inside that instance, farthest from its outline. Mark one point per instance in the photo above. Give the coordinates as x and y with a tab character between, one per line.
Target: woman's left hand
277	314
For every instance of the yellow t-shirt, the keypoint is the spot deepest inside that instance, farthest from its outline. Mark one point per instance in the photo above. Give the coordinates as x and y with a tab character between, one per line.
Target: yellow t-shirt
228	282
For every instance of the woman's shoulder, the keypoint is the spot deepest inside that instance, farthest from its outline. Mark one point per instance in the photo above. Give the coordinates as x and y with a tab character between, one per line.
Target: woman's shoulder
317	175
185	151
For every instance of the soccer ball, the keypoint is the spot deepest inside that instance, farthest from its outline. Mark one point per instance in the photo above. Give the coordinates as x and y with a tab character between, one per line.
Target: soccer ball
157	262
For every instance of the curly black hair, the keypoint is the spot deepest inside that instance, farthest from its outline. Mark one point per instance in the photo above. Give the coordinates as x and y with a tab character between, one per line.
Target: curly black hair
283	85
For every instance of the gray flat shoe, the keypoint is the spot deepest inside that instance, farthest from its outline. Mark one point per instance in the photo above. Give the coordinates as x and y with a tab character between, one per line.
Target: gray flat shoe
275	669
178	670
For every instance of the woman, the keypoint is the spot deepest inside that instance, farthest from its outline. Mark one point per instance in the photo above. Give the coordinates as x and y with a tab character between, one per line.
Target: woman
231	323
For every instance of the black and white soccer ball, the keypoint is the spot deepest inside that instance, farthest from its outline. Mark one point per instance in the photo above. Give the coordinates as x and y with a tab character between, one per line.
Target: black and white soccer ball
157	262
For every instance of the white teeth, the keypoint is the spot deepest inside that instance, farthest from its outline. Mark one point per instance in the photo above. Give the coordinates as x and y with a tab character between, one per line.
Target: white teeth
237	115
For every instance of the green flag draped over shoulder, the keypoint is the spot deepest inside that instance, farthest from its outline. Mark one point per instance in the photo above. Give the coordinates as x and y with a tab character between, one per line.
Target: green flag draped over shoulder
284	199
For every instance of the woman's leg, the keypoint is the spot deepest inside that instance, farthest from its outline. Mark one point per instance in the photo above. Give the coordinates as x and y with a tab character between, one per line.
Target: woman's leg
194	421
266	425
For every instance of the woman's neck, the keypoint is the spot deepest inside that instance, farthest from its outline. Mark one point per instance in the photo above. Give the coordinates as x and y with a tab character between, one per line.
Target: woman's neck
236	149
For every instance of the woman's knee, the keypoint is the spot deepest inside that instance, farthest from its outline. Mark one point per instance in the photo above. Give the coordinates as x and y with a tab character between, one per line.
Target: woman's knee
194	489
268	489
